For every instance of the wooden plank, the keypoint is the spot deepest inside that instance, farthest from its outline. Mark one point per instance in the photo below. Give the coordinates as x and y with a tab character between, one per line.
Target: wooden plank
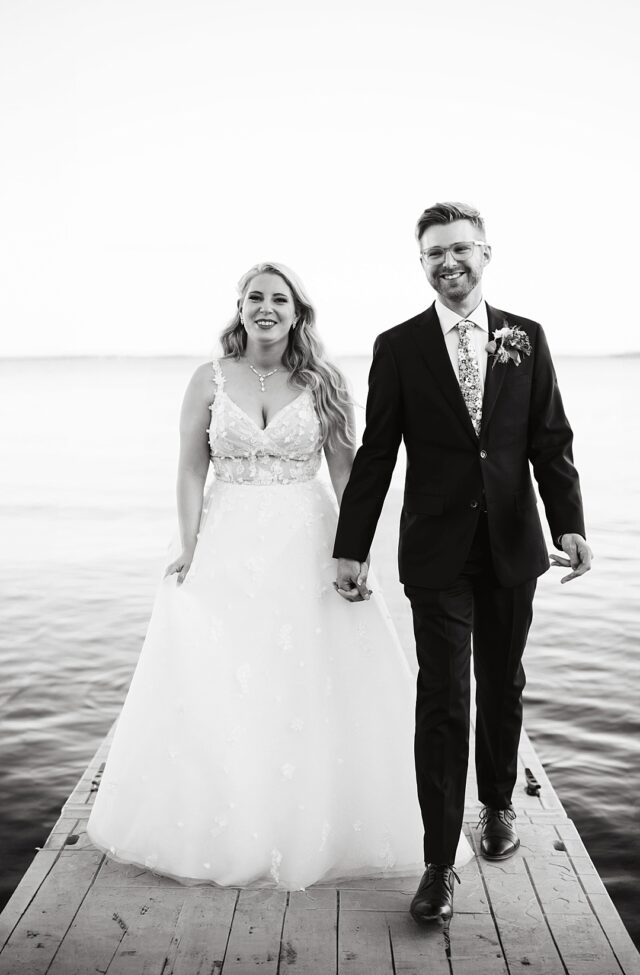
87	784
571	839
77	841
98	930
61	831
540	839
583	945
364	942
199	943
150	922
418	949
616	934
553	816
83	789
23	894
557	886
524	933
374	900
475	946
255	932
601	903
470	896
37	936
576	930
80	810
309	936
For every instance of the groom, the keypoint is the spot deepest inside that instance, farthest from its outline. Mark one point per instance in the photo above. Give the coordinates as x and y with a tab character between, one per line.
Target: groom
473	392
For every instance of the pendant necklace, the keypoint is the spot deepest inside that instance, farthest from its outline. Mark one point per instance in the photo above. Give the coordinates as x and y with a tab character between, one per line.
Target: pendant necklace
261	376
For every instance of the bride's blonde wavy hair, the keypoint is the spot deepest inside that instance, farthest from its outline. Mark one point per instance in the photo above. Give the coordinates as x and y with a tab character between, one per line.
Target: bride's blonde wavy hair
304	356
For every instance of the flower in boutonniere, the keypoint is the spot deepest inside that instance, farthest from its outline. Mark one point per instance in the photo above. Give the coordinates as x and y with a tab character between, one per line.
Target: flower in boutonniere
508	343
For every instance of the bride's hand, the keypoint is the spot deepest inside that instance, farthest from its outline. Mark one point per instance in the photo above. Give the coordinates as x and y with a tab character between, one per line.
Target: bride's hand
351	582
181	565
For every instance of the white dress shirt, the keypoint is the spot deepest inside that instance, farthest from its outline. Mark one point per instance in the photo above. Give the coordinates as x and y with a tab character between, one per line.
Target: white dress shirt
480	336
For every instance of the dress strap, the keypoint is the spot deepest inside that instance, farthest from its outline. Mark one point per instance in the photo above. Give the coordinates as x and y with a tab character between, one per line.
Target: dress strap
218	378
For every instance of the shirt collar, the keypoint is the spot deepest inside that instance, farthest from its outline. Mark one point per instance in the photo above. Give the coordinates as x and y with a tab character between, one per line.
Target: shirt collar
449	319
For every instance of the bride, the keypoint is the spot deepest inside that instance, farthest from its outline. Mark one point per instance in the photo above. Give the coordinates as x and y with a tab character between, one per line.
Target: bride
267	735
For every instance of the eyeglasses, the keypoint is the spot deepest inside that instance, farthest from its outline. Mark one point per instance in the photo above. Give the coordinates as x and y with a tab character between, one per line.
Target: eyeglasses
461	251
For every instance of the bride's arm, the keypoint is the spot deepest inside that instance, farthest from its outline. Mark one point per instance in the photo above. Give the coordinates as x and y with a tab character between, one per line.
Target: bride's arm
193	464
351	581
340	457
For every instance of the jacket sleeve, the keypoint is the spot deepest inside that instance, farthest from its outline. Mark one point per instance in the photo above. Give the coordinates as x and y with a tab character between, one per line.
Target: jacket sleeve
550	448
375	460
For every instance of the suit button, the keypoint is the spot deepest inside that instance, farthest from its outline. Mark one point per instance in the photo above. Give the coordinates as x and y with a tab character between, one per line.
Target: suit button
483	454
474	504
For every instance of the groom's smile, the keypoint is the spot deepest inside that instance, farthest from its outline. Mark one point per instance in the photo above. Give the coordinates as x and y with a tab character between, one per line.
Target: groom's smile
453	277
456	284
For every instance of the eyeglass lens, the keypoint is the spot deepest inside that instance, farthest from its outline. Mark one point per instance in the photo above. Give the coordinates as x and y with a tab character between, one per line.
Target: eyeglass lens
435	255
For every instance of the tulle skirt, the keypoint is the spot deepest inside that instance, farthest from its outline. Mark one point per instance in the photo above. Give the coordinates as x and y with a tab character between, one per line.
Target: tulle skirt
267	735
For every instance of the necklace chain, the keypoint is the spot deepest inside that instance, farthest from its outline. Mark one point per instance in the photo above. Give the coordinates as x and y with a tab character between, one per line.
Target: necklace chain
261	375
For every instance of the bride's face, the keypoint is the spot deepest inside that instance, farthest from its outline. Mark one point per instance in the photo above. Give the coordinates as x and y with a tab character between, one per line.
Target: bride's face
267	309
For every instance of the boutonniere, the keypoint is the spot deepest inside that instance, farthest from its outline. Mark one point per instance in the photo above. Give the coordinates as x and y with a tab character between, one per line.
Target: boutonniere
508	343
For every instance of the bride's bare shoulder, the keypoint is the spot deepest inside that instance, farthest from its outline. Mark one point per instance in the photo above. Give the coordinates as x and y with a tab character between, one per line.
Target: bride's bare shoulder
202	384
206	379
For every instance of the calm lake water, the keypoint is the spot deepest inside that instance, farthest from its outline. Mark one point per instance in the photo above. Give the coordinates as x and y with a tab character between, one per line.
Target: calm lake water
89	450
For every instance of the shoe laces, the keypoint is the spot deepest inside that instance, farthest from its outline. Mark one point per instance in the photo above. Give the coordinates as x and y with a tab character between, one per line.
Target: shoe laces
444	870
506	816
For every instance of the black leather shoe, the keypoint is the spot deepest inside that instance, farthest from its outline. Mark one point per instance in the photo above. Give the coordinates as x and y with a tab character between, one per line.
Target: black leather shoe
499	838
433	900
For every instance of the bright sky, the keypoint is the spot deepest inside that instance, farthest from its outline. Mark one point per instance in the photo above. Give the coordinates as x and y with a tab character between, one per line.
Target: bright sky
153	150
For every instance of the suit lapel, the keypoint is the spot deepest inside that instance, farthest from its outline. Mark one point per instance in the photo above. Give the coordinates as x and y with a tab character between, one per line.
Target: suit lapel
430	340
495	376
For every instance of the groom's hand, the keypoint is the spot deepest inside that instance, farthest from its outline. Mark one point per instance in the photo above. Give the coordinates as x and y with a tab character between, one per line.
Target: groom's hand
579	555
351	581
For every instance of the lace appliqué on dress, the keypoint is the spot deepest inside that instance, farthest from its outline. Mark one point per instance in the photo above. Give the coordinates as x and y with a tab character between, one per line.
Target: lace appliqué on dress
286	451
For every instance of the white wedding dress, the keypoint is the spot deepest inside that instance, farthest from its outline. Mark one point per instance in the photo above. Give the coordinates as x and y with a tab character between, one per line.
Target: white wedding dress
267	735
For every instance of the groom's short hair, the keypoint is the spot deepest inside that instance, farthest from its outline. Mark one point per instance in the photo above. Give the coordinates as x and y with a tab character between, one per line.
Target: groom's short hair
441	213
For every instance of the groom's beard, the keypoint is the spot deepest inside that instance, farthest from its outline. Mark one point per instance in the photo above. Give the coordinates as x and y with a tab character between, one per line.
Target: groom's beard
460	287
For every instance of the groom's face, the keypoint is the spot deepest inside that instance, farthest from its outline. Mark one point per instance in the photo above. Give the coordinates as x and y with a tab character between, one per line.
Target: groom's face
454	278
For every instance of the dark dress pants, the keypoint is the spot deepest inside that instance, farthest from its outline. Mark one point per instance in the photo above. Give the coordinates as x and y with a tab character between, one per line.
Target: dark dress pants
444	621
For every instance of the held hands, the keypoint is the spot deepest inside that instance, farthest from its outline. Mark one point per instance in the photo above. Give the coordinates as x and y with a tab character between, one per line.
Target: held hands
351	582
579	554
181	565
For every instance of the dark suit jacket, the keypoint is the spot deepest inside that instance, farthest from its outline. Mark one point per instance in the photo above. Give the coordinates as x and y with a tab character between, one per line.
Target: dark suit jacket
451	473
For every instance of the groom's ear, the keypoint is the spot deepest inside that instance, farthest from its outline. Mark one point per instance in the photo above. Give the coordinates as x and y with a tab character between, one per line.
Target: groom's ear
486	254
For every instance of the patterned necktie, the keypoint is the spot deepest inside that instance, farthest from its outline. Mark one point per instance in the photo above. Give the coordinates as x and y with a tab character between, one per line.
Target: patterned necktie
469	374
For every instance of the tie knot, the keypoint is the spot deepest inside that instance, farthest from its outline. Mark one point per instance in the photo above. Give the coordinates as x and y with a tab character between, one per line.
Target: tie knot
465	326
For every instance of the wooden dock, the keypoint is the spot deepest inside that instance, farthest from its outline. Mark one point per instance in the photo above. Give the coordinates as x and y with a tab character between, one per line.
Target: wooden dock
544	912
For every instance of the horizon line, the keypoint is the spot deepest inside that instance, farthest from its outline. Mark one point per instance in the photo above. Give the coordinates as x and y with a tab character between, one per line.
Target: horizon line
194	355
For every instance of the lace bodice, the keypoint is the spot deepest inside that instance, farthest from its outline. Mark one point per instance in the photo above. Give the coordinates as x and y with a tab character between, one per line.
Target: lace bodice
286	451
